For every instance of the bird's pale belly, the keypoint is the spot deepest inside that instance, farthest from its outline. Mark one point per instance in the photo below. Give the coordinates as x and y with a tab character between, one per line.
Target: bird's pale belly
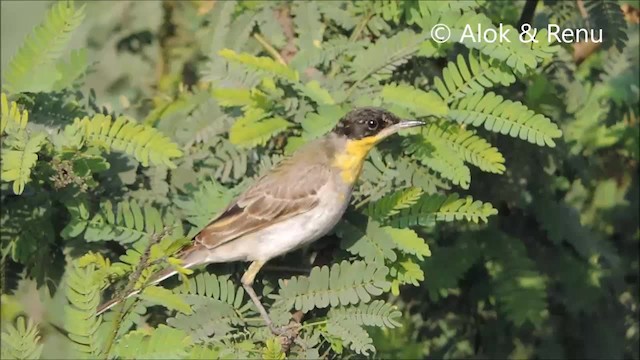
287	235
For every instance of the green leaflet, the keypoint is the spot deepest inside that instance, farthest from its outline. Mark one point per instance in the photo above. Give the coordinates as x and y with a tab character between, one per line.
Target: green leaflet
405	271
377	313
317	93
204	203
369	241
420	102
505	117
273	350
380	59
11	117
409	242
308	25
145	143
391	204
157	343
352	335
127	223
73	70
316	124
21	341
442	208
459	79
83	293
253	129
264	64
216	287
447	142
18	162
34	67
162	296
520	288
342	284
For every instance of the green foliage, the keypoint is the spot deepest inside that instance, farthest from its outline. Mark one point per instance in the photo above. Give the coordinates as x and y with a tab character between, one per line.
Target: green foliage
342	284
253	129
146	144
442	208
460	79
81	322
608	17
158	343
21	341
115	155
35	66
505	117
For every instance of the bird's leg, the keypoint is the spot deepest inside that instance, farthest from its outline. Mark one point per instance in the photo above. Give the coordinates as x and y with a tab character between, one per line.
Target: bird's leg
247	282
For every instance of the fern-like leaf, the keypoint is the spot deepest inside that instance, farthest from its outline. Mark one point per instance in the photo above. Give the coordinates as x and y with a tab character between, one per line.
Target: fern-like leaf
265	65
145	143
607	17
21	158
218	305
382	58
81	321
377	313
470	147
431	208
393	203
352	335
505	117
127	223
21	341
33	69
162	342
461	79
342	284
409	242
11	118
162	296
369	241
420	102
255	128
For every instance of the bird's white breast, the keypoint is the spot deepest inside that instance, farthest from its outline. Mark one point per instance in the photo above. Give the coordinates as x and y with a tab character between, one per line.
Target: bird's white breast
285	236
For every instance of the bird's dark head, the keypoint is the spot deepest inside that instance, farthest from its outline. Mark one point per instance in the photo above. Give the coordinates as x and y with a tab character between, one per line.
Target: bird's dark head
371	123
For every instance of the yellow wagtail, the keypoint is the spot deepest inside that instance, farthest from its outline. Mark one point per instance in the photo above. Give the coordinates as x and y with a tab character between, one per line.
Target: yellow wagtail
297	202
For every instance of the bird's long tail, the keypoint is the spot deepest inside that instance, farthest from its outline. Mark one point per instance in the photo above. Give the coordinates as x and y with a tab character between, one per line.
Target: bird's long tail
190	256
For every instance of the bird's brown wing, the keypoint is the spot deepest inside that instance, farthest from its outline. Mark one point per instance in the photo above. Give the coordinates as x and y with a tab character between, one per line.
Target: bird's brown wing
288	190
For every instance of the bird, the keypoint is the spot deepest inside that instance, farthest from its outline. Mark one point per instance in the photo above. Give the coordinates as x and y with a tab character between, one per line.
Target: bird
297	202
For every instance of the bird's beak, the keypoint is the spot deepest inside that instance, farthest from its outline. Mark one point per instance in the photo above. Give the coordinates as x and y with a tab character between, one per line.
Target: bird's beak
404	124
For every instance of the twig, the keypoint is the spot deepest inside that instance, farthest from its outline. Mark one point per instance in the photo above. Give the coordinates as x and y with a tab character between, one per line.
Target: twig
354	36
270	49
527	12
360	27
133	279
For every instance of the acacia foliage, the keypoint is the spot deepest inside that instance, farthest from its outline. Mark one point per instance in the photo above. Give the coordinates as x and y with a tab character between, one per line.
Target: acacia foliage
499	229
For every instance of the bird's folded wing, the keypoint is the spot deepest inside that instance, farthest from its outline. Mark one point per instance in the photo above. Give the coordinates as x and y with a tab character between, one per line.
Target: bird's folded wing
287	191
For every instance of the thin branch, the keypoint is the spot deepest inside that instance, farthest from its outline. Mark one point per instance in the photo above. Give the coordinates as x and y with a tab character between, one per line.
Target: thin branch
133	279
270	49
527	13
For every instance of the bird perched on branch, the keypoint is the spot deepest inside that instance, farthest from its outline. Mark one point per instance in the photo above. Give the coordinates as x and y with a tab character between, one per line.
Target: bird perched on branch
294	204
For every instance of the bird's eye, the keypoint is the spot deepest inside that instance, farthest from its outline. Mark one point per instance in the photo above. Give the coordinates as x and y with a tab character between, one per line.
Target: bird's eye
372	124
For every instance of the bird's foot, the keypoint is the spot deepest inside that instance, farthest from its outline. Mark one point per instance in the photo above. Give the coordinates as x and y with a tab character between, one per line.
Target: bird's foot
290	330
287	333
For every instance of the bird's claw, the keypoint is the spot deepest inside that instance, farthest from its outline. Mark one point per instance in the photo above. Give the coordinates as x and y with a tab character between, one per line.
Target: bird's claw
290	330
287	333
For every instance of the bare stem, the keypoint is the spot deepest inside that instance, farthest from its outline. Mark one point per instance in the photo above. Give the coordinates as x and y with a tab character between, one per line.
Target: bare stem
270	49
133	279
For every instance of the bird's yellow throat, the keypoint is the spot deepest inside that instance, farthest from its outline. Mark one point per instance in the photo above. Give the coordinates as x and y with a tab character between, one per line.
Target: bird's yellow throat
350	161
